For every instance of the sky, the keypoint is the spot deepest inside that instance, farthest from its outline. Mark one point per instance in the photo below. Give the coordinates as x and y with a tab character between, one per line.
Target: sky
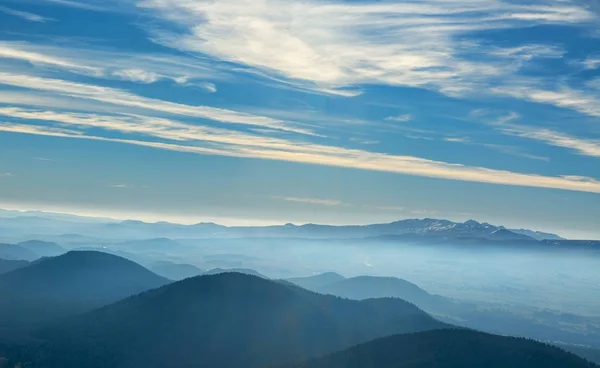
269	111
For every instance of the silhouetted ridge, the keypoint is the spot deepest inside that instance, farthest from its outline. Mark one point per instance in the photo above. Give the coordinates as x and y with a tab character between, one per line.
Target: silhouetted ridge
81	274
75	282
224	320
449	349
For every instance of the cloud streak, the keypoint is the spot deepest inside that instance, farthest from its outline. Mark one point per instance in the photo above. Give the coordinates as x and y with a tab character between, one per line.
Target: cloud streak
402	118
339	45
584	147
22	14
317	201
101	63
123	98
237	144
564	97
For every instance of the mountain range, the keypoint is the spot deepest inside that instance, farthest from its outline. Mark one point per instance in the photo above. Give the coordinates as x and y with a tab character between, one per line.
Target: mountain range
543	325
55	225
224	320
367	287
100	310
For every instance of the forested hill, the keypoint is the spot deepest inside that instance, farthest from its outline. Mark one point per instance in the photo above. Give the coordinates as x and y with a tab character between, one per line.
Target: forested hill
450	349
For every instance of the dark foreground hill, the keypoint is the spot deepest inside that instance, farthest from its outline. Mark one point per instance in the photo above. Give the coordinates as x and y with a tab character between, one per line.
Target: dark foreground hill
450	349
75	282
225	320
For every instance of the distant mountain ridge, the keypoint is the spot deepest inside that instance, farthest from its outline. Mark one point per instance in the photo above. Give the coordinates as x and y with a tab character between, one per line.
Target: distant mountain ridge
133	229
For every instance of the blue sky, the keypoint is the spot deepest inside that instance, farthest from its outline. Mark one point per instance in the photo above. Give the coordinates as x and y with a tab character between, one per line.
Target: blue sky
272	111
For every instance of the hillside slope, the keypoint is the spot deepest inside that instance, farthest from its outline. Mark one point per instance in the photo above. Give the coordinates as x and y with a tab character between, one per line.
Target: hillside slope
225	320
450	349
55	287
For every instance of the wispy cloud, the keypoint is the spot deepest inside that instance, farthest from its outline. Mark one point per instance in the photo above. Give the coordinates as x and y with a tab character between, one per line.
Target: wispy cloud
121	97
387	208
403	118
364	141
317	201
513	151
6	174
22	14
592	63
101	63
564	97
12	51
88	5
340	45
44	159
424	212
457	139
248	146
210	87
136	75
120	186
585	147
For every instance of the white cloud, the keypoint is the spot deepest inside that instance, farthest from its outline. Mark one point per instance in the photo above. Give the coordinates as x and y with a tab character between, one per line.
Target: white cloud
403	118
22	14
210	87
335	45
457	139
236	144
6	174
512	150
120	186
100	63
529	52
585	147
13	51
564	97
136	75
123	98
592	63
317	201
43	159
88	5
387	208
424	212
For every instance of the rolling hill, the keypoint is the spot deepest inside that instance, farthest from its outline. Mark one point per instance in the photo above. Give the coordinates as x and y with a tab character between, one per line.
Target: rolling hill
317	282
43	248
16	253
225	320
449	349
55	287
245	271
365	287
175	271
